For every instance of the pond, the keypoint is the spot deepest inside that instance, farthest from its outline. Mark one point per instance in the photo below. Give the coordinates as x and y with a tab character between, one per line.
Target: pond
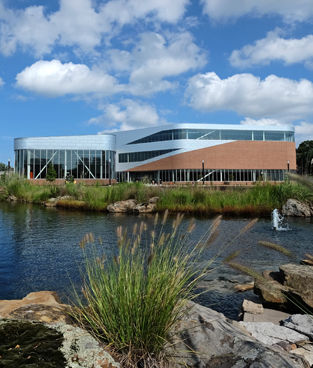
39	249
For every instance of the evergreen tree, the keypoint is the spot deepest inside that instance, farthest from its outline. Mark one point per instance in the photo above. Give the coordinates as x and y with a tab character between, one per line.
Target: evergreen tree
51	173
3	166
305	158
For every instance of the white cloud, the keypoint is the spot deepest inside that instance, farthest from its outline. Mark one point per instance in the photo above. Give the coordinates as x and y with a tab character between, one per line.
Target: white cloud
273	48
156	57
267	122
273	97
27	28
1	82
127	11
52	78
304	132
289	10
77	23
128	114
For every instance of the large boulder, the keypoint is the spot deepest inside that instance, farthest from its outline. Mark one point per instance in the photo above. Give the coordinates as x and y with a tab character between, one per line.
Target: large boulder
42	306
299	278
21	325
122	206
131	206
294	207
288	288
206	339
270	289
144	208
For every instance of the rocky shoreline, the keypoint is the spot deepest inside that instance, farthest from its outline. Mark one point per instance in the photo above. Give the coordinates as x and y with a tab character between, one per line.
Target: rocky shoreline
265	338
292	207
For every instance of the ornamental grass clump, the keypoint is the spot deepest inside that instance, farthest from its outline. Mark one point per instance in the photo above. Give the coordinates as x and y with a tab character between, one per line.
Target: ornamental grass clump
133	298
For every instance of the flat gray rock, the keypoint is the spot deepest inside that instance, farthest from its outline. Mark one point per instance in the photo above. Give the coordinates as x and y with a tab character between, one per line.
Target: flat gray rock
306	351
206	339
269	315
300	323
269	334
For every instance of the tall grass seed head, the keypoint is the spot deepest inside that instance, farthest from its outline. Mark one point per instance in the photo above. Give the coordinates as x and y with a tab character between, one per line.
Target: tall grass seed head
165	217
135	229
247	227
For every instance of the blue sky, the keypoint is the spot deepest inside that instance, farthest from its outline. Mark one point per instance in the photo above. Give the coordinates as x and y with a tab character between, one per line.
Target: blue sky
88	66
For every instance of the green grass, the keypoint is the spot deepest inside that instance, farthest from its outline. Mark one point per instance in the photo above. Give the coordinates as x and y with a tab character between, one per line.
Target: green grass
254	201
132	299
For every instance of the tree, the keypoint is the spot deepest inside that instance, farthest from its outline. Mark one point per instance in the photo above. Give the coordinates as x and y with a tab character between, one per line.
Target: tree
51	173
304	158
3	166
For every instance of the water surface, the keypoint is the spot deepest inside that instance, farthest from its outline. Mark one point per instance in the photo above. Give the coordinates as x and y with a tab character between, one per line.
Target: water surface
39	249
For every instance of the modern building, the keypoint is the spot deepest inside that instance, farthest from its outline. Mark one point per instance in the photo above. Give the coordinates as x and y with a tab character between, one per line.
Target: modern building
169	153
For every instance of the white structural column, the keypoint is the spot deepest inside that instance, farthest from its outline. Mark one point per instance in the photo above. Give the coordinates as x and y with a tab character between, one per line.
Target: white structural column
28	164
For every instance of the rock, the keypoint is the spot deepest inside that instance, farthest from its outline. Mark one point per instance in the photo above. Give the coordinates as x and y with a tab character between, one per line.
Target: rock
284	345
122	206
42	313
300	278
58	345
81	350
306	262
252	307
300	323
269	334
64	197
288	288
206	339
144	208
269	289
306	351
43	306
26	344
154	200
269	315
294	207
11	198
50	204
132	207
243	288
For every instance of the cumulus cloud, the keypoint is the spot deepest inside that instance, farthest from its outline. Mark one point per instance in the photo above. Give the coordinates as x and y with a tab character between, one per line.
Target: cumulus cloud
289	10
273	48
156	57
17	28
304	132
267	122
52	78
128	114
1	82
78	23
273	97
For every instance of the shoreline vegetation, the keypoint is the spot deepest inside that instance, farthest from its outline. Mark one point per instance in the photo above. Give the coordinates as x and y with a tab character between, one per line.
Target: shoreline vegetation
257	200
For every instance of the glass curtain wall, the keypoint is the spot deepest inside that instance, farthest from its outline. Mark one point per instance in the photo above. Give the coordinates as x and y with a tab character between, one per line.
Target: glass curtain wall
81	164
225	176
217	134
